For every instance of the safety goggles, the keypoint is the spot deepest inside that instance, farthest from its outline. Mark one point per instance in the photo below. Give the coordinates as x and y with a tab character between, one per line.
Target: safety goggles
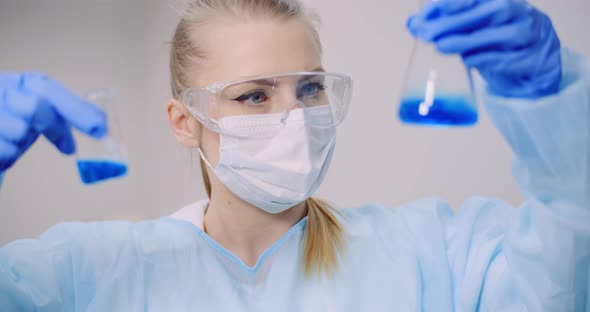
273	96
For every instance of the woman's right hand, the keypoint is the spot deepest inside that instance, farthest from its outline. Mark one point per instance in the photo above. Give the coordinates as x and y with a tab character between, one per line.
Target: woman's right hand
32	104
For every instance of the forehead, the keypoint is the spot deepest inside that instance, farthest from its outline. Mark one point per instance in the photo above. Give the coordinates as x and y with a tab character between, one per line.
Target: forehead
237	49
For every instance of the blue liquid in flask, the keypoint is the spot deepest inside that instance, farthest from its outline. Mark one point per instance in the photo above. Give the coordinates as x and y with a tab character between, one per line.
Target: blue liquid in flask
93	171
449	110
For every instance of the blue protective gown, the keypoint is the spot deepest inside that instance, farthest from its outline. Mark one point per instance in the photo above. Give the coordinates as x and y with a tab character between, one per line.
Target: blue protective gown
420	257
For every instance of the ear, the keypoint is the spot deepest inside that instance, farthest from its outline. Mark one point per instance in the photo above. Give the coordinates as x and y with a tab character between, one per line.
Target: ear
185	127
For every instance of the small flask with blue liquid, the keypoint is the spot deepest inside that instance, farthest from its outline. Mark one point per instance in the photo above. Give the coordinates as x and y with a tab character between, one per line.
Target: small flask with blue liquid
438	90
101	159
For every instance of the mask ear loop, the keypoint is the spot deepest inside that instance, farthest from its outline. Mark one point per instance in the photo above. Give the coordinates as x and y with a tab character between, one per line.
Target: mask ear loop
205	159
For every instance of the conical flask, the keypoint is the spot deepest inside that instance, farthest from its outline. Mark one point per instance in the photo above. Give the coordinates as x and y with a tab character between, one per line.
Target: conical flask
101	159
438	90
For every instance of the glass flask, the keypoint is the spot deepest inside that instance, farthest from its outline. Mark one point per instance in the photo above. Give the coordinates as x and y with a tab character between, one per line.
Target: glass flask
438	90
101	159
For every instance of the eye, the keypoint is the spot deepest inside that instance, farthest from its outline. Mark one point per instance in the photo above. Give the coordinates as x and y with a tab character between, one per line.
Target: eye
252	98
310	89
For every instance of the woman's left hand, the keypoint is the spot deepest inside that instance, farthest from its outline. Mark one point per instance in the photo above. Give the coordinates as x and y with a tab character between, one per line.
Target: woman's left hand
512	44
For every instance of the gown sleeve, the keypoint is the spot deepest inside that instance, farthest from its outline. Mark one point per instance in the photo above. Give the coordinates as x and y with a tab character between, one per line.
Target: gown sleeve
535	257
59	270
36	274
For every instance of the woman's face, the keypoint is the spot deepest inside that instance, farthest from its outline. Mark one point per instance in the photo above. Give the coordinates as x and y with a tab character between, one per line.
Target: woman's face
239	49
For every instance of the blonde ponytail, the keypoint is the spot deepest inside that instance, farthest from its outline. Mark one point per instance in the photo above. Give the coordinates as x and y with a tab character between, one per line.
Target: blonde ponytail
323	239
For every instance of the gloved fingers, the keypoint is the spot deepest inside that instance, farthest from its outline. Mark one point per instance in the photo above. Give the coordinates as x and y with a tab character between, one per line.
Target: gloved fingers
12	128
484	14
521	73
511	36
42	118
29	139
53	126
436	8
9	81
9	153
81	114
60	134
505	62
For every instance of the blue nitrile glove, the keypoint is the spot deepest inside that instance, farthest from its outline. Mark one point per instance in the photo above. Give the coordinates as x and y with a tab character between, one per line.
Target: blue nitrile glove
512	44
31	104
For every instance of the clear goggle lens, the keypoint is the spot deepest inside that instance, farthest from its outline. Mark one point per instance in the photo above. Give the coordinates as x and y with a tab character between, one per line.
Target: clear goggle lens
274	95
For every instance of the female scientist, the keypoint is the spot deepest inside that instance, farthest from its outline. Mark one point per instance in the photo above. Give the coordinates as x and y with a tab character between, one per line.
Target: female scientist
250	93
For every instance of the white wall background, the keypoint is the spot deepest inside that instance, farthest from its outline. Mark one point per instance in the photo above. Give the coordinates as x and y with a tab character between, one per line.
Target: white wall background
123	44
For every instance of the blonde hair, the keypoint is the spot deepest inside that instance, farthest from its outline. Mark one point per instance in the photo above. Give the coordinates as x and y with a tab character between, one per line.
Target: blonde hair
323	238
